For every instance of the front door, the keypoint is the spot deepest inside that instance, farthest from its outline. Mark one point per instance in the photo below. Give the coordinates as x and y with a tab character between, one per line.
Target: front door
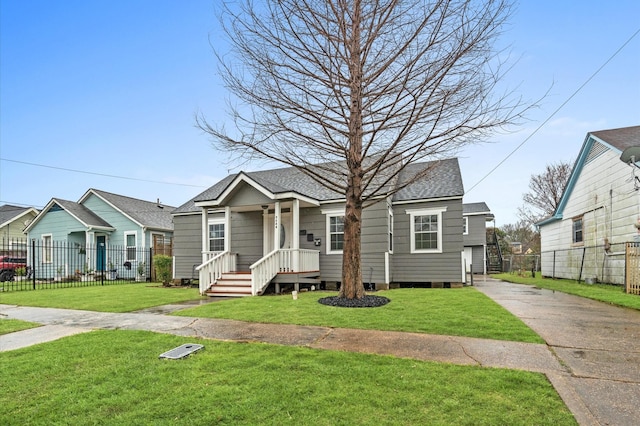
285	229
101	243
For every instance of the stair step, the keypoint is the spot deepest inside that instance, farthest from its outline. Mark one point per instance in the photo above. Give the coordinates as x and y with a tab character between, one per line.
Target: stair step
232	284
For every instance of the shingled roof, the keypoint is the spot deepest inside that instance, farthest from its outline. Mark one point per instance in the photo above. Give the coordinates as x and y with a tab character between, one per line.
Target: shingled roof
443	181
9	213
146	213
81	213
621	138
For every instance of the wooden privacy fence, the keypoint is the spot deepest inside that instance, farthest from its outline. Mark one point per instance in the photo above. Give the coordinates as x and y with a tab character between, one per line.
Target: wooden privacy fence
632	272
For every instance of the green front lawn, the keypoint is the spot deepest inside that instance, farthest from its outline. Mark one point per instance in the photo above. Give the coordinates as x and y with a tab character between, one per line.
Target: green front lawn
108	298
11	325
612	294
115	377
459	312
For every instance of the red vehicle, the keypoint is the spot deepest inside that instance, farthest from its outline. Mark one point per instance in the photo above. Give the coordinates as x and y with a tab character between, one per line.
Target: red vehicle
8	266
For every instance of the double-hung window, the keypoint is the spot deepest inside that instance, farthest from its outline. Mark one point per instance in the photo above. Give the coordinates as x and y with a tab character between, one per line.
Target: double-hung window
577	230
47	248
216	235
426	230
335	231
131	244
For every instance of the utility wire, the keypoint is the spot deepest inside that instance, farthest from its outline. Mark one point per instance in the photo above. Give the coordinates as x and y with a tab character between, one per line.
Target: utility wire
100	174
557	110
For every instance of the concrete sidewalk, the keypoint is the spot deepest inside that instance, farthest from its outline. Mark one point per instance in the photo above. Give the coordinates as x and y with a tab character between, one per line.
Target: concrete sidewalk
452	349
592	356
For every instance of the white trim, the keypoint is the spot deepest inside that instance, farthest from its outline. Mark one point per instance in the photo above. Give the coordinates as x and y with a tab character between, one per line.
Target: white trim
465	225
390	231
48	249
425	200
135	245
425	212
216	221
328	215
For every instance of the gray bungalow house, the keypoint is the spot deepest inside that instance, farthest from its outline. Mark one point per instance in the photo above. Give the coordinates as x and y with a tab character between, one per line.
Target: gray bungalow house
253	230
475	217
101	231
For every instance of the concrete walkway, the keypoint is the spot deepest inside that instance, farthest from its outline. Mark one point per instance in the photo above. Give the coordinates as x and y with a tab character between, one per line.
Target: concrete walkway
592	355
599	345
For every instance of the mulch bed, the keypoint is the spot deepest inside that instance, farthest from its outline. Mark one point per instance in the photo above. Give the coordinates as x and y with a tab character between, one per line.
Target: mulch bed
366	301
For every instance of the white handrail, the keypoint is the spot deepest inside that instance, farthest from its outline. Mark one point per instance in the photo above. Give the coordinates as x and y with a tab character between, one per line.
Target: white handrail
212	269
281	261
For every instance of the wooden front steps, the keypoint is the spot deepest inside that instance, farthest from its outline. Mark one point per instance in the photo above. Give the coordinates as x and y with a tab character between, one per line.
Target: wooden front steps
232	284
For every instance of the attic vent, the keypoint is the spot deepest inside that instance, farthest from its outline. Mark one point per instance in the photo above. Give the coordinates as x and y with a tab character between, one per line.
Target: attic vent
596	150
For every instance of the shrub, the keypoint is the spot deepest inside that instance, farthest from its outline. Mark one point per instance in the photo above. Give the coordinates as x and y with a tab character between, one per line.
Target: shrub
162	265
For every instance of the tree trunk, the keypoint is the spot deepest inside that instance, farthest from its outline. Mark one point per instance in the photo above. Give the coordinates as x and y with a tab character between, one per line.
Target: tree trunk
352	286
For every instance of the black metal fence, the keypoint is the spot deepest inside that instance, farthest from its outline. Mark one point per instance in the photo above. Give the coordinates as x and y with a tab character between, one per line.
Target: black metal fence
52	264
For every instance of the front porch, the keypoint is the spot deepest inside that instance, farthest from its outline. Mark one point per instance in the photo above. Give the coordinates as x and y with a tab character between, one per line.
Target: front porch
219	276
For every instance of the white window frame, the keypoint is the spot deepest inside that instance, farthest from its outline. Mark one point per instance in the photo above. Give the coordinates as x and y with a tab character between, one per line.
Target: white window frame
330	214
425	212
216	221
47	248
465	225
134	246
581	231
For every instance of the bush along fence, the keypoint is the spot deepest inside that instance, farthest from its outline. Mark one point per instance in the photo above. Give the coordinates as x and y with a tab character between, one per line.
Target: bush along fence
60	264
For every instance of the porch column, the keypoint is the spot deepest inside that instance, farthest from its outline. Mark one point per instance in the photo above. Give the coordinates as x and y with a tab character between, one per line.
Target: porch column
205	233
276	226
295	238
227	228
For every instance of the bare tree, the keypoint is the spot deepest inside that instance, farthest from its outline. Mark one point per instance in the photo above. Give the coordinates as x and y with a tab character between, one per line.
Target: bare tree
353	91
545	193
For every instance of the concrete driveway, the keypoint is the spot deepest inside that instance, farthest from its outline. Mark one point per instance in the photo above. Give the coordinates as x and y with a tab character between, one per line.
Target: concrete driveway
599	344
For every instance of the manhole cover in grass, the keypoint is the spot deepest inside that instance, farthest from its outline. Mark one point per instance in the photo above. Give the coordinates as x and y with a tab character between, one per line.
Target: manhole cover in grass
181	351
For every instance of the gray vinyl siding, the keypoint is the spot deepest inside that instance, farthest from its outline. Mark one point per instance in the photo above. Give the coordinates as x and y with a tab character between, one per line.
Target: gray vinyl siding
187	244
246	195
428	267
374	242
477	233
246	238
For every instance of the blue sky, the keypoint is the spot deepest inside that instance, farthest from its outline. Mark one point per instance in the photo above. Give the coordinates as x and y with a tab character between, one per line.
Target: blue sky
111	87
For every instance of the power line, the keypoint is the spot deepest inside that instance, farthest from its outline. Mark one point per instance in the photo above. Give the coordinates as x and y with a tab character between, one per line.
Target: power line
100	174
557	109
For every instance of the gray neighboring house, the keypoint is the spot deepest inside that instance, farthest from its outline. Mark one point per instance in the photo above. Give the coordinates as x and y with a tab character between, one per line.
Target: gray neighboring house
253	230
475	217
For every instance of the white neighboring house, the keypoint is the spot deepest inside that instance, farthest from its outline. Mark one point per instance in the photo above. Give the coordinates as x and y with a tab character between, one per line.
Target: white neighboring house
599	211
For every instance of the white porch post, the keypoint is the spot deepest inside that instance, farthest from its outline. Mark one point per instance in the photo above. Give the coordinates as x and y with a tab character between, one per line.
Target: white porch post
205	233
276	226
227	228
295	238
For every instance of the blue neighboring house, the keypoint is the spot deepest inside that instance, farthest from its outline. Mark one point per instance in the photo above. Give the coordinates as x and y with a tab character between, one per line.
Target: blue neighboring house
101	231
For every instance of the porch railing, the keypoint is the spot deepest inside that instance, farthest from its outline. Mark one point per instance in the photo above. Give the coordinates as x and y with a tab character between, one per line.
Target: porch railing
210	271
281	261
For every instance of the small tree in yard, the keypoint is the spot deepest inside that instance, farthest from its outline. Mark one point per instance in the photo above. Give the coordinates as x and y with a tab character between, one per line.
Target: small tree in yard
162	264
351	92
545	192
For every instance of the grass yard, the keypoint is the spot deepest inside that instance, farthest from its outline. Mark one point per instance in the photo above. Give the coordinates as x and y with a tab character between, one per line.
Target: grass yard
115	377
612	294
12	325
110	298
459	312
